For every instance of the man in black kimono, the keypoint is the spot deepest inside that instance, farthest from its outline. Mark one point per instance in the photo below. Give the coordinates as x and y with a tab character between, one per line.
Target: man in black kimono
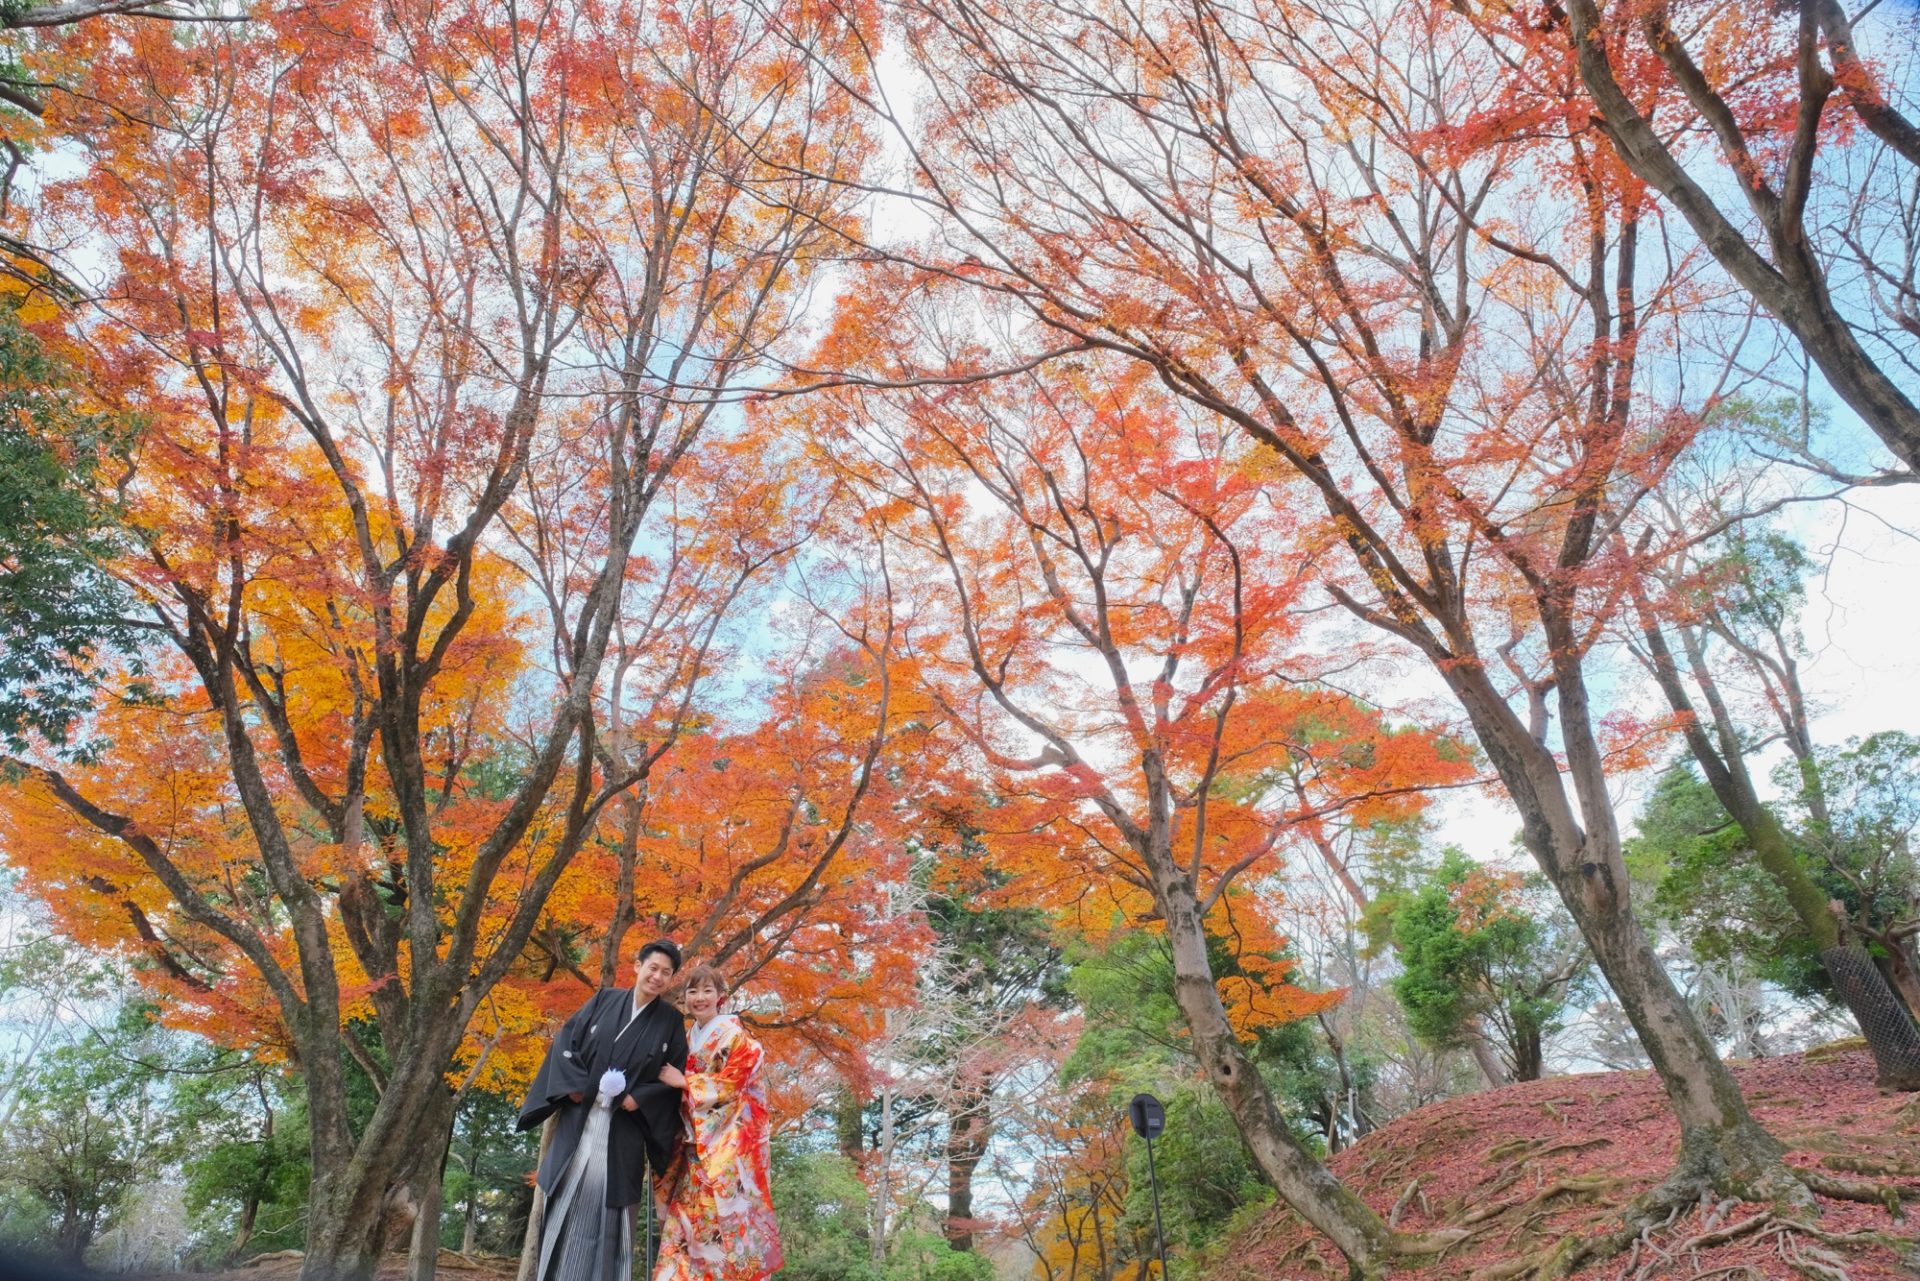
612	1118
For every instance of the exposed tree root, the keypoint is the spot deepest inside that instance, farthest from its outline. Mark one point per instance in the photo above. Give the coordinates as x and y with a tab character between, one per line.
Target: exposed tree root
1566	1187
1414	1245
1799	1244
1580	1146
1309	1255
1883	1194
1413	1190
1527	1151
1786	1223
1882	1166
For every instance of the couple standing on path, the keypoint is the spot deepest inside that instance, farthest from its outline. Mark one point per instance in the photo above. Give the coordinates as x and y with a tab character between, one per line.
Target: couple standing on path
629	1090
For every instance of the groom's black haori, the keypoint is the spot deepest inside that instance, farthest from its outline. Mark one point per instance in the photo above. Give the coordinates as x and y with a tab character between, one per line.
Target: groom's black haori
605	1033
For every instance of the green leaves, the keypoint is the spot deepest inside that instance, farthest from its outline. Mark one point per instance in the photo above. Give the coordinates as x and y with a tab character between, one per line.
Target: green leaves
60	611
1479	957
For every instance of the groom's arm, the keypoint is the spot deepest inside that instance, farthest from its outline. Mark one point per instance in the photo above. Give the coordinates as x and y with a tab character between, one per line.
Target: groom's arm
563	1074
648	1083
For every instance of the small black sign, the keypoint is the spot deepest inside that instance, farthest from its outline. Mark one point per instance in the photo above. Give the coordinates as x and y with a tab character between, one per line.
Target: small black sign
1148	1117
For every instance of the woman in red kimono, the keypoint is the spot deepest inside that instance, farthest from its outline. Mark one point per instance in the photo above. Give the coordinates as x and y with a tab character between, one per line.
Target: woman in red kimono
716	1205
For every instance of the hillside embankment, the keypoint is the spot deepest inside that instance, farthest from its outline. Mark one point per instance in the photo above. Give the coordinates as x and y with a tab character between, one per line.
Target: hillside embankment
1530	1166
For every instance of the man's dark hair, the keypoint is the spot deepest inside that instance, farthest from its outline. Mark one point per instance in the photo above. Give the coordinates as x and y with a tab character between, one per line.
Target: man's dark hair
666	947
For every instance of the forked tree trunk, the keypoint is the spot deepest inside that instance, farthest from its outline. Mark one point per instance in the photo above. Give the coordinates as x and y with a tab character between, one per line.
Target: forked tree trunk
360	1187
1721	1145
347	1225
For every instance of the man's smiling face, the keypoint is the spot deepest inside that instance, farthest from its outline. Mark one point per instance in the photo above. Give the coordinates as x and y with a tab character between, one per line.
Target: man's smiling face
655	975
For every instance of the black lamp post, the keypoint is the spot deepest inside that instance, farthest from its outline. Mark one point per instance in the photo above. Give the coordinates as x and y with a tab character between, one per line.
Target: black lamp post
1149	1119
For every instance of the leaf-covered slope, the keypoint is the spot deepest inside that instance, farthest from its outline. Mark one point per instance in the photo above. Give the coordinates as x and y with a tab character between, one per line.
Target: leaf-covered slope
1528	1165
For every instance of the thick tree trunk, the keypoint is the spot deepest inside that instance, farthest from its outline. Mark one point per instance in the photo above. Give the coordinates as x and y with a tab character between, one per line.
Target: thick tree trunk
1884	1021
967	1130
1720	1142
536	1216
362	1190
75	1235
1903	974
1883	1018
347	1222
1304	1183
1529	1055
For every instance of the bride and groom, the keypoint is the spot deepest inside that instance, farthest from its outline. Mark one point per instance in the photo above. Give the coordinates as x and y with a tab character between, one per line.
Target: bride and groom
630	1091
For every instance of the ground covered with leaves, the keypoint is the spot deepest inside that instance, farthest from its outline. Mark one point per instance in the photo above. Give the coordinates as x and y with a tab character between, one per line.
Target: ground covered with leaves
1531	1165
284	1265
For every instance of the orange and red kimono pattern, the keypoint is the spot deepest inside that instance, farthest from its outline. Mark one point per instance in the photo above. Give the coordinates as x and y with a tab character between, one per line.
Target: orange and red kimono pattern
716	1207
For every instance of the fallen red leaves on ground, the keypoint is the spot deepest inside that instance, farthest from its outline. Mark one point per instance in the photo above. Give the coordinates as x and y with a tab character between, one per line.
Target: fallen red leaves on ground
1530	1164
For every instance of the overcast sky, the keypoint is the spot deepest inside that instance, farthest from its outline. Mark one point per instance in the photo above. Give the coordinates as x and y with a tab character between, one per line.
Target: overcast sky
1862	624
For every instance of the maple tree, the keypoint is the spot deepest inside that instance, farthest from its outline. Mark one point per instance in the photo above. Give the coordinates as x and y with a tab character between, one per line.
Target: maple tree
1729	112
1319	228
778	850
370	268
27	75
1114	634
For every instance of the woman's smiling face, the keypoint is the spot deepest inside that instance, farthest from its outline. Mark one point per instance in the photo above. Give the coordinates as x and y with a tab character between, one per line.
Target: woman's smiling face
703	1001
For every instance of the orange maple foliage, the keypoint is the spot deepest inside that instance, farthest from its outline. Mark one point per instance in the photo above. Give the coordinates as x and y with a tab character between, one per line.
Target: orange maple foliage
1100	577
431	314
1781	136
1310	224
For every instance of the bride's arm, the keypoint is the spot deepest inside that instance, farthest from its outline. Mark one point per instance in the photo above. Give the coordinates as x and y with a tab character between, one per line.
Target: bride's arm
728	1079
